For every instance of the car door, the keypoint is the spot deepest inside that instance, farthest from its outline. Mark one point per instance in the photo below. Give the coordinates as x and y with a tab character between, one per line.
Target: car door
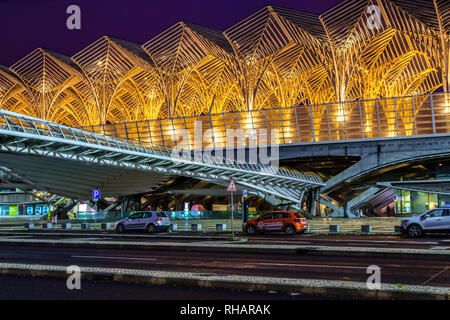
278	221
434	220
134	221
274	223
147	217
445	225
263	221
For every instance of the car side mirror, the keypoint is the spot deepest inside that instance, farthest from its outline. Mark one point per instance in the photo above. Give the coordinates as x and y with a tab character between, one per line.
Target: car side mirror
424	217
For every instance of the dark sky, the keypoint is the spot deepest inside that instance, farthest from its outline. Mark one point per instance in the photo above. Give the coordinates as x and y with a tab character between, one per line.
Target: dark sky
28	24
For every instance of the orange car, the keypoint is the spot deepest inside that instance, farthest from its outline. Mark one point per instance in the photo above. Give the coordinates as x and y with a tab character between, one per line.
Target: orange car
289	222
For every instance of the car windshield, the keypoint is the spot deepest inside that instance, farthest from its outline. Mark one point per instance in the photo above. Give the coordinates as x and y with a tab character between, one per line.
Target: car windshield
298	215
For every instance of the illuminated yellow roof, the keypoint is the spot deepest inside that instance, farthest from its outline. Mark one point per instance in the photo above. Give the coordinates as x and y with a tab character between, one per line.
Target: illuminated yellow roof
276	57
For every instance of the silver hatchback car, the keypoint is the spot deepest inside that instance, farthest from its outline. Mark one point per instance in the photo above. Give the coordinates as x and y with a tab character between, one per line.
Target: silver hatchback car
151	221
435	220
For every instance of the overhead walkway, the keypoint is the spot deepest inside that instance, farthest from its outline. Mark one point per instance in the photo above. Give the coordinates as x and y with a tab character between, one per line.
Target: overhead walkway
71	162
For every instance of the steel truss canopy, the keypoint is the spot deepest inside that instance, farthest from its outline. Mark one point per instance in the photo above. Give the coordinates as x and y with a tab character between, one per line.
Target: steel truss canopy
276	57
71	162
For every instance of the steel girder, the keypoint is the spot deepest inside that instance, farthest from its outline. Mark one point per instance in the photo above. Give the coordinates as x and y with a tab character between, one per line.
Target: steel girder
29	143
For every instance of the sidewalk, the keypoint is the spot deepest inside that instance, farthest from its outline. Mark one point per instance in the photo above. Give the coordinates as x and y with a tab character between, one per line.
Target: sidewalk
301	286
318	225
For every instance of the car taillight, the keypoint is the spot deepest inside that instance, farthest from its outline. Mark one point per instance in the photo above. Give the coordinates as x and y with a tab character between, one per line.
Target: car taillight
158	219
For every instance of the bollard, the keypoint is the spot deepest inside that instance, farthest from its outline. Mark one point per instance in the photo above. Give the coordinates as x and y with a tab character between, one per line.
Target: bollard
366	228
106	226
47	226
66	226
196	227
397	229
221	227
173	227
29	225
85	226
334	228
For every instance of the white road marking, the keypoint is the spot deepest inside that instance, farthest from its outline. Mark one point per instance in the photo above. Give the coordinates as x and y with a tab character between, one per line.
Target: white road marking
83	239
378	241
309	265
439	248
283	241
18	237
123	258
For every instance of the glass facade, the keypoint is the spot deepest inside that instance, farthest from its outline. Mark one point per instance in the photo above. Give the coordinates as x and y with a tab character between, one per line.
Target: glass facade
414	202
23	209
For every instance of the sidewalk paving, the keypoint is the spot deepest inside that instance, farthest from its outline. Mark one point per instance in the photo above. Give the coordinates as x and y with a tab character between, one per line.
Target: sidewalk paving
292	285
317	225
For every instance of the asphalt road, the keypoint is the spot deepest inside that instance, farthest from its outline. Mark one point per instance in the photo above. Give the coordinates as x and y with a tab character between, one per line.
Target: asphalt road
417	270
432	241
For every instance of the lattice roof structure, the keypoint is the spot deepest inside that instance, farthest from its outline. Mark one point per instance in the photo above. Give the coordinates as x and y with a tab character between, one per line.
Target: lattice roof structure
276	57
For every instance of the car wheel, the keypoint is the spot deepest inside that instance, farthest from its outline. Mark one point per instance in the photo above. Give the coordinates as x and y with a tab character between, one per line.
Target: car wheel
250	230
415	231
290	230
120	228
151	228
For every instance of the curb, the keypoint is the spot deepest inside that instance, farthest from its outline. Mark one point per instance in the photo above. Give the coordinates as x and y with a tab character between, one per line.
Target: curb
267	249
105	233
186	234
250	283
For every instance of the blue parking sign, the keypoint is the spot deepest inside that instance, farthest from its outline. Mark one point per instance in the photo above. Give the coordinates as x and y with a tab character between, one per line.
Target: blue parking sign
95	194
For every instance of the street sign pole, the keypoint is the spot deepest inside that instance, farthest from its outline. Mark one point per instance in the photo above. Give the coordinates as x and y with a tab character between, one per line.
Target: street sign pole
95	197
232	216
244	194
232	188
95	213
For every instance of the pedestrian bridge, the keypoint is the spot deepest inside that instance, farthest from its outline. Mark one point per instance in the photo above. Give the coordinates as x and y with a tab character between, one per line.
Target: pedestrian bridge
71	162
403	116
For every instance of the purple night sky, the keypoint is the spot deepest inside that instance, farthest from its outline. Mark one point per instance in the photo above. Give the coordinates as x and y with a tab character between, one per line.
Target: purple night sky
28	24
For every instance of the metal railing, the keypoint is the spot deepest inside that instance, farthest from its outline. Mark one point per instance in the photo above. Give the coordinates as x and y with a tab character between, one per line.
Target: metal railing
360	119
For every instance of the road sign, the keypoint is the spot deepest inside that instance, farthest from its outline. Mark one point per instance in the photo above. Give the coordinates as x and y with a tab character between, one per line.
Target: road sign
244	192
232	186
95	194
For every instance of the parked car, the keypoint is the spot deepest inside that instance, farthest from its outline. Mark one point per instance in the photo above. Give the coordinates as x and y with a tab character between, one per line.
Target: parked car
435	220
289	222
151	221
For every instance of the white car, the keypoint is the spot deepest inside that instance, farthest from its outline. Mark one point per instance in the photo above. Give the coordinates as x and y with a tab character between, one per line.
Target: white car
434	220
